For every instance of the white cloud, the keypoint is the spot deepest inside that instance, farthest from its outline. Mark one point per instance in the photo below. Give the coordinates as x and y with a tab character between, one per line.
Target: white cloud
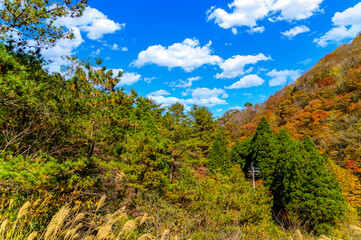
91	22
219	110
114	46
127	78
347	25
305	62
281	77
208	97
295	9
94	22
234	66
236	107
248	13
186	92
160	93
97	52
338	34
165	101
63	47
295	31
246	82
348	17
200	96
243	13
187	83
149	79
187	55
203	93
256	30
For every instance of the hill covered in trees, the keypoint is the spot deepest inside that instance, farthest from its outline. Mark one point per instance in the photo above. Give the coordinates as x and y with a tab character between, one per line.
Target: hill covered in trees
83	159
324	103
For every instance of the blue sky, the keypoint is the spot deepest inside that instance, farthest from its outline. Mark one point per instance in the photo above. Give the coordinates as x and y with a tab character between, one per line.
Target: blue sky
221	54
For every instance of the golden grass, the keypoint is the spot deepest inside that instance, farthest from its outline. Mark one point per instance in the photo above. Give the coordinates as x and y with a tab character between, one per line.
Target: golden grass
86	223
165	234
71	223
32	236
101	202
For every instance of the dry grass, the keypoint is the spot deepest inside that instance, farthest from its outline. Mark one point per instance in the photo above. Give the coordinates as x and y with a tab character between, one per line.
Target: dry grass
75	223
71	223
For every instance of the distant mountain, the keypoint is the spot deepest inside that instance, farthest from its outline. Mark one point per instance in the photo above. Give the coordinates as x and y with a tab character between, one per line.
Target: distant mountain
324	103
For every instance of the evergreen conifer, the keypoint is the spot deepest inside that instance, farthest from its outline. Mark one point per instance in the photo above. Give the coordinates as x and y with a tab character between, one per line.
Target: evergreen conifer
288	172
264	151
219	156
321	203
239	152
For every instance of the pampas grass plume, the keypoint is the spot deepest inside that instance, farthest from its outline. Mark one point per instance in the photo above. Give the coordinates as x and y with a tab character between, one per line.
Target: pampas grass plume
164	235
32	236
145	236
101	202
24	210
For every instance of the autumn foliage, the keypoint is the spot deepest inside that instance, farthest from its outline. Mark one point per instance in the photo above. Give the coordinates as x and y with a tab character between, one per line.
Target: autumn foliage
324	103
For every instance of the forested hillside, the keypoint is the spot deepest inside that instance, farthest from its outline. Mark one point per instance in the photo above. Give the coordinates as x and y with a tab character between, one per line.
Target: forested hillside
324	103
81	158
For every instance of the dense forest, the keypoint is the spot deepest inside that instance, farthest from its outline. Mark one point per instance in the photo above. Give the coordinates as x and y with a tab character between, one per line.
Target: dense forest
83	159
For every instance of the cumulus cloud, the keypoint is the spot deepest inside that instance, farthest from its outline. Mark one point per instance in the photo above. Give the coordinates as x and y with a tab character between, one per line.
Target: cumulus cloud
203	93
295	9
248	13
236	107
187	55
281	77
295	31
187	83
130	78
243	13
159	93
93	22
234	66
165	101
347	25
149	79
305	62
246	82
63	47
200	96
256	30
127	78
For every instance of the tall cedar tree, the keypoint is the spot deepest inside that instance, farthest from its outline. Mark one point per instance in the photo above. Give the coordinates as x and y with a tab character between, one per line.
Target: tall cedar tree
321	203
218	156
239	152
288	173
264	151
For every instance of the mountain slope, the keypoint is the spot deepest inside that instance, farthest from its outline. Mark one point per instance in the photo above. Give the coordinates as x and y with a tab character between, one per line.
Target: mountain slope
324	103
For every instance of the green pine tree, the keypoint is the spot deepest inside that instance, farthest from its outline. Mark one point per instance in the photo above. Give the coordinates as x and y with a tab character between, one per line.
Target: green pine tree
219	156
239	152
264	151
288	172
203	125
321	203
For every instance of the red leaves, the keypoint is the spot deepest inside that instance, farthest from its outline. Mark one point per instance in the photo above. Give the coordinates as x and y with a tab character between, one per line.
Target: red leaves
326	81
351	164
